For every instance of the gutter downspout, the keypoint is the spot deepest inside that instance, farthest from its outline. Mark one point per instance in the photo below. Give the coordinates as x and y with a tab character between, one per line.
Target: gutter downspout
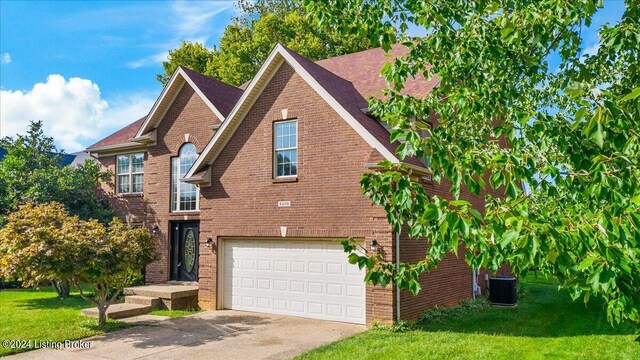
474	282
397	268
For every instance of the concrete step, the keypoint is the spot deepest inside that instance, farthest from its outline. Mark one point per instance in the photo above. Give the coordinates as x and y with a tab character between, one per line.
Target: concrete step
163	291
119	311
154	302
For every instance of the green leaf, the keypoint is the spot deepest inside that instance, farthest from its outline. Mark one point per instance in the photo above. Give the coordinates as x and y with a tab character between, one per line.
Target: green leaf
580	114
506	31
574	89
476	214
512	190
599	135
586	263
459	203
632	95
509	237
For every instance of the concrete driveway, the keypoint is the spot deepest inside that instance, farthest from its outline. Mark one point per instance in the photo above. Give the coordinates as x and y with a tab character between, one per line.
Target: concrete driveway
224	334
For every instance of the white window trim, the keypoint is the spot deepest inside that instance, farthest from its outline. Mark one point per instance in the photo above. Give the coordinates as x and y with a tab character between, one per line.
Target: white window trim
275	150
426	161
130	173
176	201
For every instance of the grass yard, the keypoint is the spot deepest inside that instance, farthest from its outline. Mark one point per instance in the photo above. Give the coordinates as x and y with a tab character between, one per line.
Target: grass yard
174	313
544	325
30	314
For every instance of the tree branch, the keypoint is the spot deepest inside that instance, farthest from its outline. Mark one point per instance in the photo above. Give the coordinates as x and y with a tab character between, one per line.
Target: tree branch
82	295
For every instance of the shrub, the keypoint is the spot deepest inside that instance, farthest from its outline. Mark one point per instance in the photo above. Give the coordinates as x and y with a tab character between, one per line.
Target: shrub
439	314
399	326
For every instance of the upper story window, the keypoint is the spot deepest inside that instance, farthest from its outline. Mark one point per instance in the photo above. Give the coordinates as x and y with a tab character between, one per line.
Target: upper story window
184	196
130	173
425	133
426	160
285	147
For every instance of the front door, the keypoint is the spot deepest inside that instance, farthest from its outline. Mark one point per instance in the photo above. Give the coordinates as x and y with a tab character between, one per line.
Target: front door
184	251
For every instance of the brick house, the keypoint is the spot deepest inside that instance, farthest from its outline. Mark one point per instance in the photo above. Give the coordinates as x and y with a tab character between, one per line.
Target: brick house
247	189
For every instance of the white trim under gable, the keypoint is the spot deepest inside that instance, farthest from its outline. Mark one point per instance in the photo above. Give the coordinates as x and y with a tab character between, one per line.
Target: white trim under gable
268	69
173	88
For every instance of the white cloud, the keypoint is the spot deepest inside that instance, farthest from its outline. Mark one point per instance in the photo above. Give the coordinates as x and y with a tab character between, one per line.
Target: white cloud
149	60
591	50
191	21
5	58
73	111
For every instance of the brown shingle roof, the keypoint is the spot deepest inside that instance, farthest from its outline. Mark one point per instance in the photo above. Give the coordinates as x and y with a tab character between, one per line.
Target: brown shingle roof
223	96
350	79
121	136
346	94
363	70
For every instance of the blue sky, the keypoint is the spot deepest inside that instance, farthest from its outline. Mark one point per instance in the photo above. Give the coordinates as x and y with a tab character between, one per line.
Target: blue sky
119	45
89	68
96	59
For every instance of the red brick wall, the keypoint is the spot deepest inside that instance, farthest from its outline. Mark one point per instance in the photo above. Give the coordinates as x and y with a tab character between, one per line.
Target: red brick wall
188	115
326	199
452	281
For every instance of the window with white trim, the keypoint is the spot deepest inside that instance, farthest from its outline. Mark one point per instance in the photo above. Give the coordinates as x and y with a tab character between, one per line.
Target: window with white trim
130	173
285	147
425	133
184	196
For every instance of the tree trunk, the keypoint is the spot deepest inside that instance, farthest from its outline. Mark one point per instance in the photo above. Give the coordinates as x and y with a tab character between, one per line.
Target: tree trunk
102	315
62	288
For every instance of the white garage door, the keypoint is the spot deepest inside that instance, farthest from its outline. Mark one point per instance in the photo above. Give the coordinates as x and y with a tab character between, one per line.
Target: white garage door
300	278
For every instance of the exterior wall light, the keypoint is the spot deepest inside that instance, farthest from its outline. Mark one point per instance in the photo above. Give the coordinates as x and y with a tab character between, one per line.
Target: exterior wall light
374	245
209	242
155	229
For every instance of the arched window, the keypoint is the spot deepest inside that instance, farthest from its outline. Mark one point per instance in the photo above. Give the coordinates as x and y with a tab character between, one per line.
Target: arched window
184	196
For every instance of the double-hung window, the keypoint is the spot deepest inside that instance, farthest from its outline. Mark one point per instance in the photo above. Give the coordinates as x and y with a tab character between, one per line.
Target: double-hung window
130	173
285	147
184	196
425	133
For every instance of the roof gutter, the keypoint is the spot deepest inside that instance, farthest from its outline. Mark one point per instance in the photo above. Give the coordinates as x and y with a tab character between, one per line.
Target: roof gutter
202	177
110	149
398	318
146	139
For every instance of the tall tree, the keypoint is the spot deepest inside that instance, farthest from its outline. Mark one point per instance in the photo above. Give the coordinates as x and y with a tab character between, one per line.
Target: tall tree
32	172
573	134
247	42
195	56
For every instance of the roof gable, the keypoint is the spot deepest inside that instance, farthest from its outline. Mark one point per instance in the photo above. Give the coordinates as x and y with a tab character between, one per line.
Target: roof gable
337	92
218	96
346	94
362	69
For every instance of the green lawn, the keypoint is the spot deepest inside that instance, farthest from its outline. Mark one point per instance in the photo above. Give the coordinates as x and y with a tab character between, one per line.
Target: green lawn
544	325
30	314
174	313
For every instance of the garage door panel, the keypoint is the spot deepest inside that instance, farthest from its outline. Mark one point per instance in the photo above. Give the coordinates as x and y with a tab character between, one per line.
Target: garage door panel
300	278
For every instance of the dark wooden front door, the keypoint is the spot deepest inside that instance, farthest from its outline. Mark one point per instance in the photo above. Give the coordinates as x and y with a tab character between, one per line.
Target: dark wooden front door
184	251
